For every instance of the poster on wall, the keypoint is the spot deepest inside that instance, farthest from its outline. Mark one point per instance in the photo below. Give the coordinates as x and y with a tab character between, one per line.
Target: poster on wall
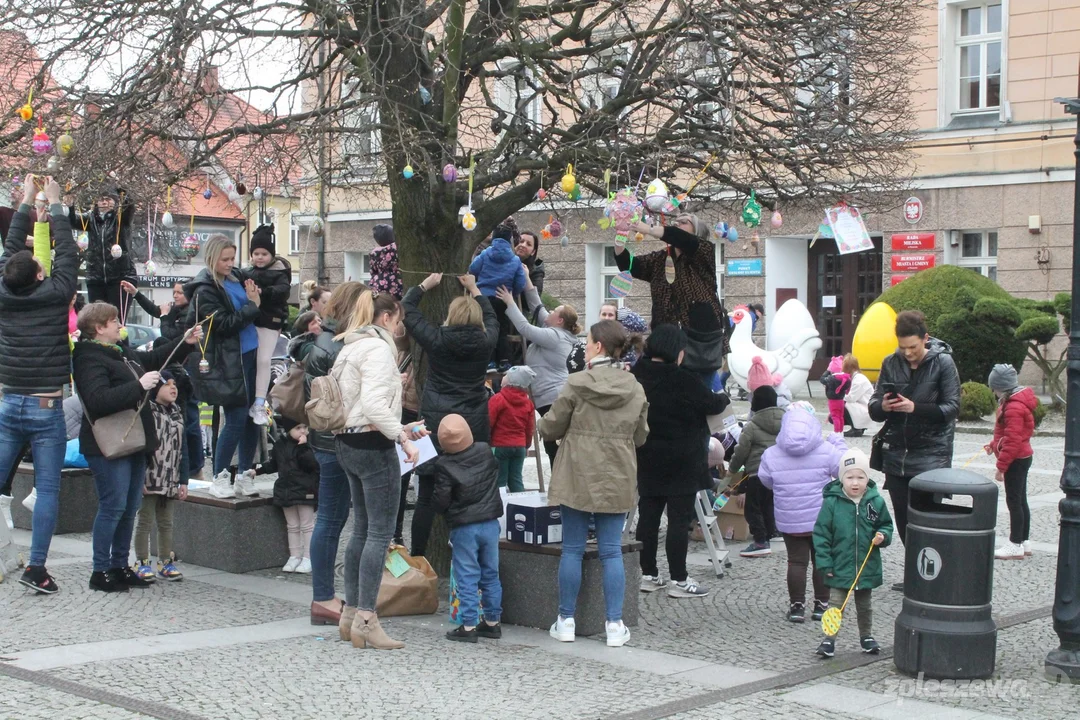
847	225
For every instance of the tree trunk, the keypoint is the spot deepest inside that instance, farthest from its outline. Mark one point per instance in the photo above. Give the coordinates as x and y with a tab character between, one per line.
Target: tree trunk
438	547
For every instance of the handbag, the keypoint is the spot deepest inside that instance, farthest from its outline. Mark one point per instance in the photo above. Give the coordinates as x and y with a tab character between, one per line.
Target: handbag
877	451
326	410
288	394
415	592
121	434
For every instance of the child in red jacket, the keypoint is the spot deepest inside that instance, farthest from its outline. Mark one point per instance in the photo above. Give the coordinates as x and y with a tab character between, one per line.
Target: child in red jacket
513	423
1013	428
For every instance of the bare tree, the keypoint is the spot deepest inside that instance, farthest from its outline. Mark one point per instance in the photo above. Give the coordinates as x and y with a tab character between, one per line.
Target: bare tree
792	98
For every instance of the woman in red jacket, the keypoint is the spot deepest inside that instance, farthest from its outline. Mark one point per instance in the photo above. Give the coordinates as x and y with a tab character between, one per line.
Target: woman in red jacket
1013	429
513	422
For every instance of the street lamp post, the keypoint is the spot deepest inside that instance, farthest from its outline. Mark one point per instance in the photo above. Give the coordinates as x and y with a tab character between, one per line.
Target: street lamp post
1064	662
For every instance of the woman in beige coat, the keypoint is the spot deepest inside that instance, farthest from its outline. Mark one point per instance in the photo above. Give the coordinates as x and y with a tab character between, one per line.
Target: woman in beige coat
601	418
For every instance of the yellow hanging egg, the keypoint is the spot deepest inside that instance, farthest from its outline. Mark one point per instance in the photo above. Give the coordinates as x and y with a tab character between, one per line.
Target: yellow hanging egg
26	112
875	339
568	180
468	221
66	144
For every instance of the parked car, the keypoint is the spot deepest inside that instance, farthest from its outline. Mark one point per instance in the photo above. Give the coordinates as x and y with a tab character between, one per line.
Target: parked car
139	335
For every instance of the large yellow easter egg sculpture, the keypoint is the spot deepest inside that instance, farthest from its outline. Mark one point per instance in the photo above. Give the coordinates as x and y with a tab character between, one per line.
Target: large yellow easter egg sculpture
875	338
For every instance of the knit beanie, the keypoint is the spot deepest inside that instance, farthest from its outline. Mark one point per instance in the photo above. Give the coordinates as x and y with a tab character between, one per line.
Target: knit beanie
263	239
519	376
455	434
854	459
384	234
1003	378
631	321
758	375
763	397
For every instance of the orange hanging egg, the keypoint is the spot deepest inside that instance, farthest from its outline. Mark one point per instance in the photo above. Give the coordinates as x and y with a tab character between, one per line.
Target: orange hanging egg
26	112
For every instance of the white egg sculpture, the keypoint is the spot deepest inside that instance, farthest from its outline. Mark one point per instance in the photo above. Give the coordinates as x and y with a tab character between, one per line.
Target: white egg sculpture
791	317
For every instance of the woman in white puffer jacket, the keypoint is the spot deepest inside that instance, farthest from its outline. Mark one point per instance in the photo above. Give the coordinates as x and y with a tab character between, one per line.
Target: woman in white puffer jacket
367	374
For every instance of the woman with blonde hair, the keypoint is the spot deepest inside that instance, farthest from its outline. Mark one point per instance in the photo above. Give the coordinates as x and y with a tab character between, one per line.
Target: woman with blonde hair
457	355
335	499
224	372
547	350
371	395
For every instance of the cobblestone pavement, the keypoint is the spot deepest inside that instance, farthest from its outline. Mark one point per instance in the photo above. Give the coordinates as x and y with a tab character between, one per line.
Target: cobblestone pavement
729	655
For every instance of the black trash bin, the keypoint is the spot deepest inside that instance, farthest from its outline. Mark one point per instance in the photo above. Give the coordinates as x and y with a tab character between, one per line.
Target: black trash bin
945	629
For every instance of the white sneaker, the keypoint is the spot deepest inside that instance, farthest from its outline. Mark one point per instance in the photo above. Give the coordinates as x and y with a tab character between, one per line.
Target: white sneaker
304	568
563	629
5	510
30	500
1010	551
294	562
617	634
245	484
222	485
652	583
258	414
1027	547
686	589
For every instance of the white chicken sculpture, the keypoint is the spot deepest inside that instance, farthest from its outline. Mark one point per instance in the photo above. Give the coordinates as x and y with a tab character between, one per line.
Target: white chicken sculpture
792	361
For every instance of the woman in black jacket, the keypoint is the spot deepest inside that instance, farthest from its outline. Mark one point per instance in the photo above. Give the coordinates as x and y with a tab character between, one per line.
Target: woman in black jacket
457	354
107	225
673	463
528	249
174	321
224	373
110	378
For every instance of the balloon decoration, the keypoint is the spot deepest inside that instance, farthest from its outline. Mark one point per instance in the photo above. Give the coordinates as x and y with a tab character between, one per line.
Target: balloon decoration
42	143
751	212
449	173
568	180
65	144
408	172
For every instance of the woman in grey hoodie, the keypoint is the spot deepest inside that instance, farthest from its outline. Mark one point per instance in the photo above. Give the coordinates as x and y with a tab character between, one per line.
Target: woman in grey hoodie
547	349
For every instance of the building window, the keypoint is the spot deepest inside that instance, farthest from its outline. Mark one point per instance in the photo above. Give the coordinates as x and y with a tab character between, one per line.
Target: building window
294	235
608	272
977	250
361	139
357	267
975	31
517	93
603	77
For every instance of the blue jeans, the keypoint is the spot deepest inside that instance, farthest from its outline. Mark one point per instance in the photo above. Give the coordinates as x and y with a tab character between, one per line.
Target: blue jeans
575	526
119	484
23	420
334	500
375	483
511	461
476	566
239	428
193	436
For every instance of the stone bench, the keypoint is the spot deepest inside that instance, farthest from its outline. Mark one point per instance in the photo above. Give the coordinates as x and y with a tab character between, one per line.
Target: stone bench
235	535
78	500
530	582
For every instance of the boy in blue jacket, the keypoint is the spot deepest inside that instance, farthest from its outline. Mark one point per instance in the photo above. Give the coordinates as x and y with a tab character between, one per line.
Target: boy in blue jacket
498	266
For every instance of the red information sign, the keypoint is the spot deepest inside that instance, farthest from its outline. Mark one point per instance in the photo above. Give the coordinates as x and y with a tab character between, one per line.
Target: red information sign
912	263
913	241
897	279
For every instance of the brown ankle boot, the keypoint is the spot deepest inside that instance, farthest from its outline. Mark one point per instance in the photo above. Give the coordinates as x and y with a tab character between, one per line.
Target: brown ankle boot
345	624
369	633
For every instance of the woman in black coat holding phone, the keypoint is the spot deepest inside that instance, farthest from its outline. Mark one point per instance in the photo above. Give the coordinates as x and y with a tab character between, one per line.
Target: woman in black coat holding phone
224	372
110	378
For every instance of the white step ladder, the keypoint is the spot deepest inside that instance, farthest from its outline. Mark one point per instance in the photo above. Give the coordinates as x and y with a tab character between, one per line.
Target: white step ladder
710	529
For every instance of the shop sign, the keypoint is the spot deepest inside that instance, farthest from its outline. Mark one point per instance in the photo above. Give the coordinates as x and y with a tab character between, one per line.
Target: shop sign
912	263
906	242
162	281
745	268
897	279
913	210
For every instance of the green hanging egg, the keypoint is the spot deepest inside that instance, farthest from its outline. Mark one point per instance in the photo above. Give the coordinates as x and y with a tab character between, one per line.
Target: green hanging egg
751	211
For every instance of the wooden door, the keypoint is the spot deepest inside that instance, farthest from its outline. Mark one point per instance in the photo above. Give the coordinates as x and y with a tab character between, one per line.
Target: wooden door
839	289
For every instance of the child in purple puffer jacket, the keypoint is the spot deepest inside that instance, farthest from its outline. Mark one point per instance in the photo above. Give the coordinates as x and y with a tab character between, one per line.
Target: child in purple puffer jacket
797	469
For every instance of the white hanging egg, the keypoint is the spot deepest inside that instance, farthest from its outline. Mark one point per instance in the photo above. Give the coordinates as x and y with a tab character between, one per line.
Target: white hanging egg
151	268
656	196
116	251
82	241
167	219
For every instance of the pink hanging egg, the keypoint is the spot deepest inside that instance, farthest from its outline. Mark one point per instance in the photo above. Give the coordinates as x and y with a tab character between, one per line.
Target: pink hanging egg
449	173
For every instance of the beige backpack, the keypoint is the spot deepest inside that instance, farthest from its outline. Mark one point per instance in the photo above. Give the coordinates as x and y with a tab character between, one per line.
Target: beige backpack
325	410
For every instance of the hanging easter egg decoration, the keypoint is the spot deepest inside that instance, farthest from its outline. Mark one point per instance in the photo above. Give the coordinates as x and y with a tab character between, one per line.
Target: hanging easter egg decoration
565	241
720	230
151	268
257	193
733	234
317	227
190	245
656	196
620	285
241	189
408	172
449	173
167	219
639	237
555	227
751	211
65	144
208	193
669	268
755	239
116	251
82	241
777	220
624	210
541	194
584	227
42	144
568	180
575	194
468	221
26	112
53	166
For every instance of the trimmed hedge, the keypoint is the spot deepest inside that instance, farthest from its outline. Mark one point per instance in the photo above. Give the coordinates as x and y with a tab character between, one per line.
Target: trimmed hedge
976	401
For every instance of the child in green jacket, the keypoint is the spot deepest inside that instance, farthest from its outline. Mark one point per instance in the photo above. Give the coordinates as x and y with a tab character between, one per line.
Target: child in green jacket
853	516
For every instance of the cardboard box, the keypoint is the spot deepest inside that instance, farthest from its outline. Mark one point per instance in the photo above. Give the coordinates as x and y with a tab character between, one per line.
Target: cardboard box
532	521
732	523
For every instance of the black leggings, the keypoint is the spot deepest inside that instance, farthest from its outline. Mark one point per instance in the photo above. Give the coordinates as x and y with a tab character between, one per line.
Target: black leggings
423	514
501	353
680	510
1016	500
550	446
109	293
897	486
407	418
758	510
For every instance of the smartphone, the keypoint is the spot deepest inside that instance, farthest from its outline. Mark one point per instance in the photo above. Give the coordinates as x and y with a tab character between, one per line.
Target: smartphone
888	388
